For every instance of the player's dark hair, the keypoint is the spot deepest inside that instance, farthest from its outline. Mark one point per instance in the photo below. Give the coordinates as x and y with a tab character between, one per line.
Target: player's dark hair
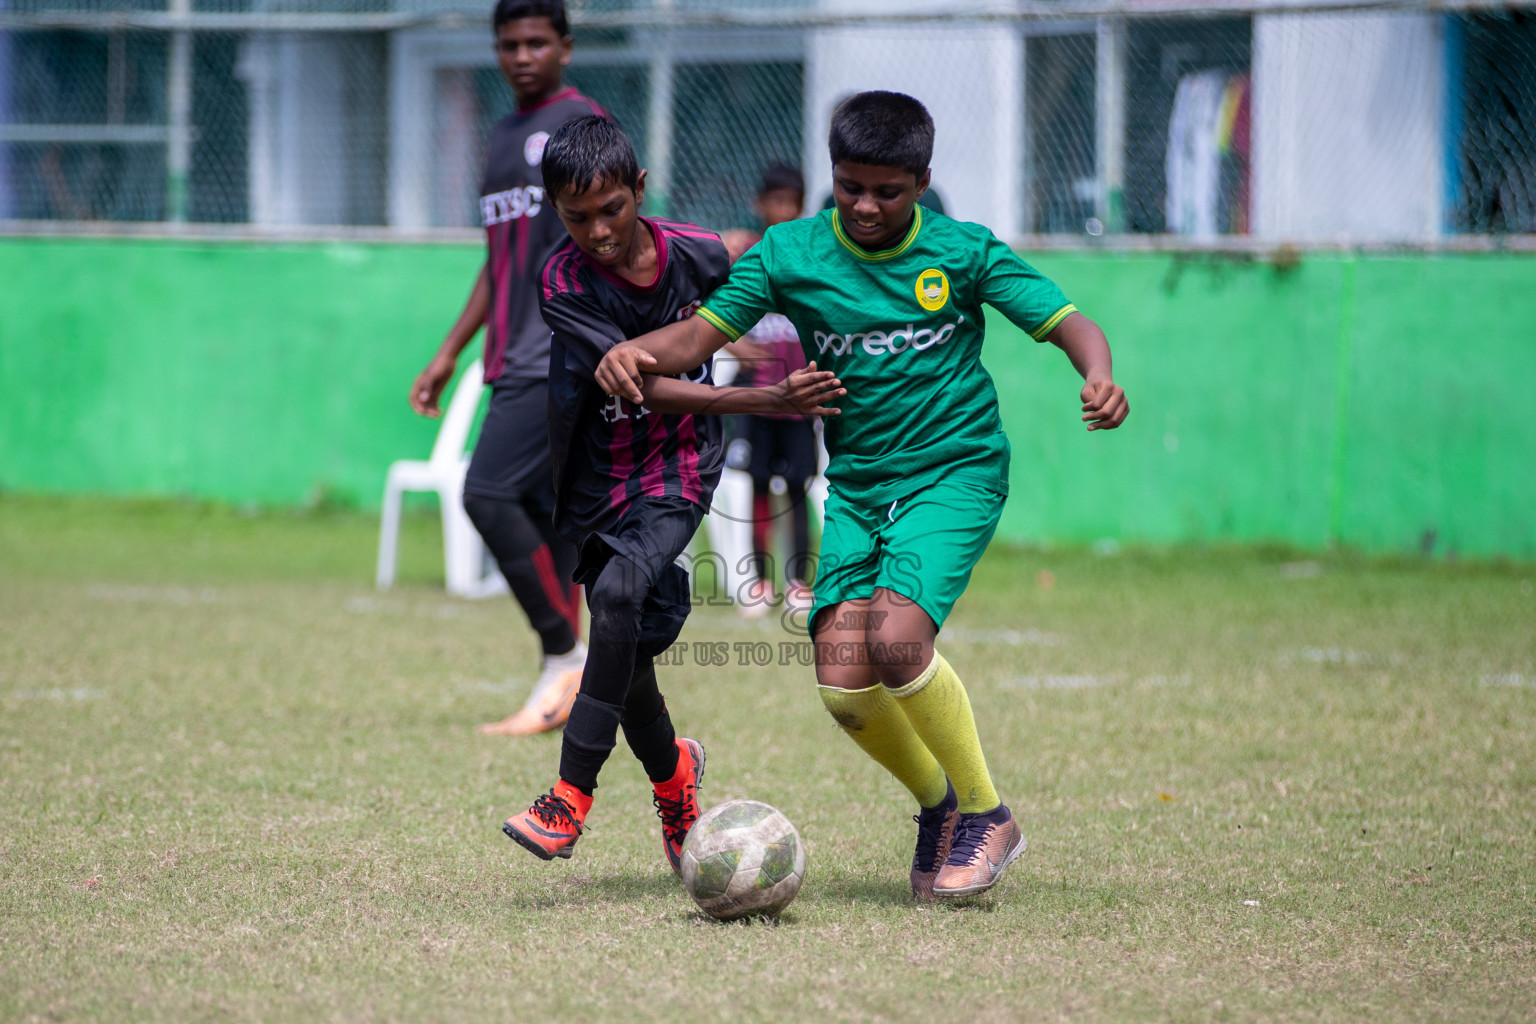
588	151
777	177
886	129
511	10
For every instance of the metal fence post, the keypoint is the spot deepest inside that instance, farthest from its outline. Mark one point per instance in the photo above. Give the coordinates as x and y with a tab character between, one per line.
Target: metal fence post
1109	128
178	151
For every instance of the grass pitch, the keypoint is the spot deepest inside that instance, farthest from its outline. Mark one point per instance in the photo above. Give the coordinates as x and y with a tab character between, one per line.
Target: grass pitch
237	783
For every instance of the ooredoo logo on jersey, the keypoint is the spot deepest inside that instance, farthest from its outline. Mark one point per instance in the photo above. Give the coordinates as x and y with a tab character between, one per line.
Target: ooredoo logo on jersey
885	343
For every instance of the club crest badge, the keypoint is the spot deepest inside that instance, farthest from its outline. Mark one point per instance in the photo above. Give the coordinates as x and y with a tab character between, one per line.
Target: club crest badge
932	290
533	148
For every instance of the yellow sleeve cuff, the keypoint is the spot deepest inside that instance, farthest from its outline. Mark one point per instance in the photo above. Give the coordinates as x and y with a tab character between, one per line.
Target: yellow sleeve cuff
724	328
1051	321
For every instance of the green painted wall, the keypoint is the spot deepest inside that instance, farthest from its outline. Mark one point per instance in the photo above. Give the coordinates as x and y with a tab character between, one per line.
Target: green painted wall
252	373
1369	400
1377	401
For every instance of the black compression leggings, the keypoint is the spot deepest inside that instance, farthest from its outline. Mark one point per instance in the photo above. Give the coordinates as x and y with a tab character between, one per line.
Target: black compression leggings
618	687
537	564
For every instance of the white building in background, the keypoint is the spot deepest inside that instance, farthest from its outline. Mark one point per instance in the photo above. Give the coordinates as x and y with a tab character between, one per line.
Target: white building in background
1348	115
297	123
1299	127
316	105
970	77
1349	118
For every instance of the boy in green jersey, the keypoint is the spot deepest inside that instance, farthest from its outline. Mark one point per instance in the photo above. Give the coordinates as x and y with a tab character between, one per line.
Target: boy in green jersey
889	297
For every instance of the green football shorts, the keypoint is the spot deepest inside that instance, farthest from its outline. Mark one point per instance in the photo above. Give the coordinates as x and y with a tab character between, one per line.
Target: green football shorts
922	546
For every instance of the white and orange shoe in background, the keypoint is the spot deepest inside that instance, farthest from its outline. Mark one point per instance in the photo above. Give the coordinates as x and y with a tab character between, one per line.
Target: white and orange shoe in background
549	705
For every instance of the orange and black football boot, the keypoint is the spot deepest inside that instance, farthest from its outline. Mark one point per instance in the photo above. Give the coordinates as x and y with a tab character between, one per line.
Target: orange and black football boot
677	802
550	828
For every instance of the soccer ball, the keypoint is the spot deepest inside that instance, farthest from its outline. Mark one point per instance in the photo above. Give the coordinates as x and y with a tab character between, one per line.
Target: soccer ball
742	858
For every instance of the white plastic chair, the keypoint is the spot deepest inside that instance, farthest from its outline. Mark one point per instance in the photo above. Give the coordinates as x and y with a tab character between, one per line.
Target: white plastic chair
466	563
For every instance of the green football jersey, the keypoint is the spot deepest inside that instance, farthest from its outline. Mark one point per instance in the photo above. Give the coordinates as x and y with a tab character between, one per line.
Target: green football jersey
903	330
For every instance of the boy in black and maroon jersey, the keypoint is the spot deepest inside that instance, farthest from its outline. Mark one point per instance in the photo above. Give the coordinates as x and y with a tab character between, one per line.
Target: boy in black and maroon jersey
507	491
632	481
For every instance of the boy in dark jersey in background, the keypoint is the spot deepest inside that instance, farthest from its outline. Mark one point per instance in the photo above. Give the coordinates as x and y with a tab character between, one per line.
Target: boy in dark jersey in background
777	445
632	480
507	491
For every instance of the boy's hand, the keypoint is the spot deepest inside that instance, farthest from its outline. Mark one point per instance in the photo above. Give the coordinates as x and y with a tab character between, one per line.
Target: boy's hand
809	390
429	385
619	372
1104	405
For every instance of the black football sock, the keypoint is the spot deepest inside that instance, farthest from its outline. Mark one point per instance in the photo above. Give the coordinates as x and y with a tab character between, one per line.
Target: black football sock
655	746
590	736
647	726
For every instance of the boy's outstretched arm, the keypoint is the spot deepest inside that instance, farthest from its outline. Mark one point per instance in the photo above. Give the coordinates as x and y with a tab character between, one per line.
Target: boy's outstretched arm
1104	404
805	392
675	348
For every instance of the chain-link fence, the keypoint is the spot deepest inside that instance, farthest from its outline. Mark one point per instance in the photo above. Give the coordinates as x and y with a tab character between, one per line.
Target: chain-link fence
1332	122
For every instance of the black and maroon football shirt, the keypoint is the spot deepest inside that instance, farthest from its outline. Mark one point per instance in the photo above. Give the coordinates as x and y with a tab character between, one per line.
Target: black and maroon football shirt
607	451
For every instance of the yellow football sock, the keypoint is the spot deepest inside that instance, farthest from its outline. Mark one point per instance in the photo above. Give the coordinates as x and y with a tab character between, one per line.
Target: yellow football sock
877	724
940	713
